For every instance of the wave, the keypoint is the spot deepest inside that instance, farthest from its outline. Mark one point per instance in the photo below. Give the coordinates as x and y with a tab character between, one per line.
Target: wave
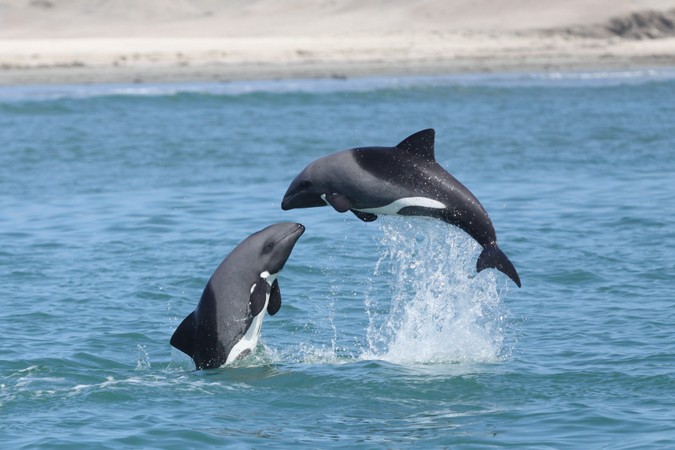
332	85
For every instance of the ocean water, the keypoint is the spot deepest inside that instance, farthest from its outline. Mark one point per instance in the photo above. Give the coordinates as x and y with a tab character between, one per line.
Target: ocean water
118	202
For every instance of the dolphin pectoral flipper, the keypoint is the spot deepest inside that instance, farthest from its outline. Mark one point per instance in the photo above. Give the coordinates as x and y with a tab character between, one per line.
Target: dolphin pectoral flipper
493	256
258	296
366	217
183	337
338	201
275	299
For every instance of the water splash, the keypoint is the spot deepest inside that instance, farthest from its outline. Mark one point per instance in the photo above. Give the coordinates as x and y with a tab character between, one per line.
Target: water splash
426	304
143	361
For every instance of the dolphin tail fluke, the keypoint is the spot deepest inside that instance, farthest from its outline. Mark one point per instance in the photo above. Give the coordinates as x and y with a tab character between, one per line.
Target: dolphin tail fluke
493	257
182	338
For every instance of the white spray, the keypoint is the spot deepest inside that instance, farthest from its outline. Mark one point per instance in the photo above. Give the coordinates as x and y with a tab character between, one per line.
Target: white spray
426	304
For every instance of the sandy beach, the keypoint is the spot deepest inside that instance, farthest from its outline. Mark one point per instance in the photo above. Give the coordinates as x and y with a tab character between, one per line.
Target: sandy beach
90	41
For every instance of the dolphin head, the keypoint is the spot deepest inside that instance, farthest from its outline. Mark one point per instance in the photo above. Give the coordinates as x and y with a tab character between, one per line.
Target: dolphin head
304	192
274	244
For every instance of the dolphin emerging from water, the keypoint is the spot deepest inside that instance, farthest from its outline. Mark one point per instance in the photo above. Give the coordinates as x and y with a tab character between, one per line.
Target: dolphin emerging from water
405	180
227	322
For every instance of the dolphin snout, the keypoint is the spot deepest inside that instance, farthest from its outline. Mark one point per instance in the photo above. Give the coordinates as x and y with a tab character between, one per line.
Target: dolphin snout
299	230
294	233
301	199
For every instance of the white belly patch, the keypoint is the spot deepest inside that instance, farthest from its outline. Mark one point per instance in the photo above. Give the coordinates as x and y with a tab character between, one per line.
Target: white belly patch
250	340
397	205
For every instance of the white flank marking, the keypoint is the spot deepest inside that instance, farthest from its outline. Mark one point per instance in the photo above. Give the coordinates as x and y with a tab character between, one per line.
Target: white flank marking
397	205
250	339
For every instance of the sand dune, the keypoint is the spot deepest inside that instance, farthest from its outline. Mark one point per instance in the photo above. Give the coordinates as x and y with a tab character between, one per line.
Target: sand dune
155	40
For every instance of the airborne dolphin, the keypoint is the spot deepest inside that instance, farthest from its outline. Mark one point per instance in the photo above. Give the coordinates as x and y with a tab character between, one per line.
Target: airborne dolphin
404	180
227	322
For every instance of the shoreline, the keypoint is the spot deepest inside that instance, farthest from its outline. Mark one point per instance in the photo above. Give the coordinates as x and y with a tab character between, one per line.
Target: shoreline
215	74
170	60
120	41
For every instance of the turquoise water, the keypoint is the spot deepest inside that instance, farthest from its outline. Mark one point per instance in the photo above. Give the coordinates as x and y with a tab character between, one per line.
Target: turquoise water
118	202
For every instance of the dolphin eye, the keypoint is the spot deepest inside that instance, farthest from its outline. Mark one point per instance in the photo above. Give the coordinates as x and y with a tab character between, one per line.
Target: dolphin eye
305	184
269	245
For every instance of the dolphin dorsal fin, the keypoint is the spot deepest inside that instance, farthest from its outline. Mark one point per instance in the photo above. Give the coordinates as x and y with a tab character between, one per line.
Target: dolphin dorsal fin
183	337
420	144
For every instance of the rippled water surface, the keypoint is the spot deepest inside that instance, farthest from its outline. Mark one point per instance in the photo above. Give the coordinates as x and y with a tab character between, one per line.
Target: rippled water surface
118	202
